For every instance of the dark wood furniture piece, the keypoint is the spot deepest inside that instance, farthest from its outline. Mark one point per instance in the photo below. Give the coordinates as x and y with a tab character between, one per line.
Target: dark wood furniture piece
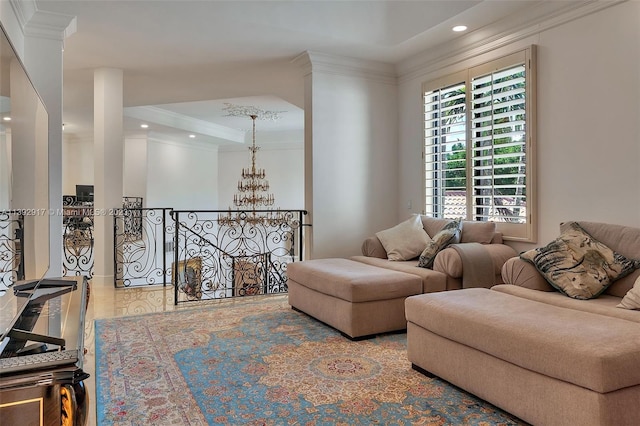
41	352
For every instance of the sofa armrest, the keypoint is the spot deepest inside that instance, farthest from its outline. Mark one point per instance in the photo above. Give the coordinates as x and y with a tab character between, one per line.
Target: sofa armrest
522	273
372	247
448	261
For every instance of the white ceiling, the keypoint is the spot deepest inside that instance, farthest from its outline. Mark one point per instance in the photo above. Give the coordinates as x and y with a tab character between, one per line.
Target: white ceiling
172	51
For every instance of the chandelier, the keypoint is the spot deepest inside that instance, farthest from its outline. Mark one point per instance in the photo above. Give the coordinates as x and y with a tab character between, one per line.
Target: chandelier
253	187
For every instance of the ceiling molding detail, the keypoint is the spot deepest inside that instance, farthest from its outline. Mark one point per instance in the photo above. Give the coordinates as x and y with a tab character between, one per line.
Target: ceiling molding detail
48	25
42	24
316	62
23	10
183	122
540	17
304	62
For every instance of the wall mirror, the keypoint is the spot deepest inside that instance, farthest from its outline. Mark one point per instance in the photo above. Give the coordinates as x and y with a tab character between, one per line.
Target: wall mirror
24	173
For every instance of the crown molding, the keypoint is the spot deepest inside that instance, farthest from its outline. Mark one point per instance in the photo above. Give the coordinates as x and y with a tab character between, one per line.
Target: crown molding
317	62
540	17
23	10
42	24
52	26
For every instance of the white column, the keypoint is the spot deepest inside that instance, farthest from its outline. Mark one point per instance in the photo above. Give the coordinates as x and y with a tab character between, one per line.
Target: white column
351	165
108	167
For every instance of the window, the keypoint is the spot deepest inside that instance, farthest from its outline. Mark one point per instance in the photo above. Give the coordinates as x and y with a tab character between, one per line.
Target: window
479	139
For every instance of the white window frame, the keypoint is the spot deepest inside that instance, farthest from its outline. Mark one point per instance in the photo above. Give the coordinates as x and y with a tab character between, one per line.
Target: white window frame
515	228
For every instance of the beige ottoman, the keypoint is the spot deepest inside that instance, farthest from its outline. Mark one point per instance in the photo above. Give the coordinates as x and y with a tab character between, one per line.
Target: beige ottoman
547	364
353	297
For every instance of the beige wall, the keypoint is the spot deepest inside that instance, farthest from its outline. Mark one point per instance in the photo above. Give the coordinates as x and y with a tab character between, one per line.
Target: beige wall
588	145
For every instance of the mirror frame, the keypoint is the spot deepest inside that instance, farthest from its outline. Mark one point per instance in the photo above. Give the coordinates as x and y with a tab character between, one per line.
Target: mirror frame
24	149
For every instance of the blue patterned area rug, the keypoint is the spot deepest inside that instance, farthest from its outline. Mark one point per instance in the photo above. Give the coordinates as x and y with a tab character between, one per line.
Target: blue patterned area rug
258	362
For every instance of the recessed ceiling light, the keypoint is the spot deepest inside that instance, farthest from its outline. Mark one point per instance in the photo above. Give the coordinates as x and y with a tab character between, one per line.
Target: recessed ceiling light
459	28
144	126
192	136
6	118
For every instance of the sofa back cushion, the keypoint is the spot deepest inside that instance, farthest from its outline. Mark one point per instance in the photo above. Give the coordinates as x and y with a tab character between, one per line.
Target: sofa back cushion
603	305
472	231
622	239
433	225
477	232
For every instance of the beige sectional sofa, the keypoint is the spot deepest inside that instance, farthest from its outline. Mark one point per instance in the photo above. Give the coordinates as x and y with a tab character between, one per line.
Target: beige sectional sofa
350	294
447	271
531	350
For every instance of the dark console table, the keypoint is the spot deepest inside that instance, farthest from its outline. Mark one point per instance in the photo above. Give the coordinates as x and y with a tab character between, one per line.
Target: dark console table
41	352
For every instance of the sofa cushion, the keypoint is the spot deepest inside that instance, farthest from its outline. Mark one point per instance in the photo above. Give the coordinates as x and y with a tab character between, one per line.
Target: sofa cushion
578	265
431	280
596	352
477	232
631	300
404	241
353	281
603	305
434	225
450	234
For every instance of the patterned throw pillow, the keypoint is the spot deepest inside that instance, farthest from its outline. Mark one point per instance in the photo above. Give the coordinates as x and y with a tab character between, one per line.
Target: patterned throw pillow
578	265
450	234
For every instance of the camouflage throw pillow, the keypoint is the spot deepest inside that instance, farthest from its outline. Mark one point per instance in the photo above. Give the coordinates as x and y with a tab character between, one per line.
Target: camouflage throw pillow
578	265
450	234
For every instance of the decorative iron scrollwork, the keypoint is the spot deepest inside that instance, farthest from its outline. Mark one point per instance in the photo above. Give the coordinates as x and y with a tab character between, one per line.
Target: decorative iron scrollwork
241	253
11	244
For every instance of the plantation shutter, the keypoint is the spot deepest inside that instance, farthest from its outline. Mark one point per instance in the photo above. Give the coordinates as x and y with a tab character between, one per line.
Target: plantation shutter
498	139
479	139
445	150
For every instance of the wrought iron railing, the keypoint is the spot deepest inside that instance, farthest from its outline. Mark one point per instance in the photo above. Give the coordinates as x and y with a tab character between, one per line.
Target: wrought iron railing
78	240
11	248
78	232
204	254
220	254
142	248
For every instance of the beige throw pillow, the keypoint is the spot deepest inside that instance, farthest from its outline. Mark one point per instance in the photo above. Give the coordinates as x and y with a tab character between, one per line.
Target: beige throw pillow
632	299
404	241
